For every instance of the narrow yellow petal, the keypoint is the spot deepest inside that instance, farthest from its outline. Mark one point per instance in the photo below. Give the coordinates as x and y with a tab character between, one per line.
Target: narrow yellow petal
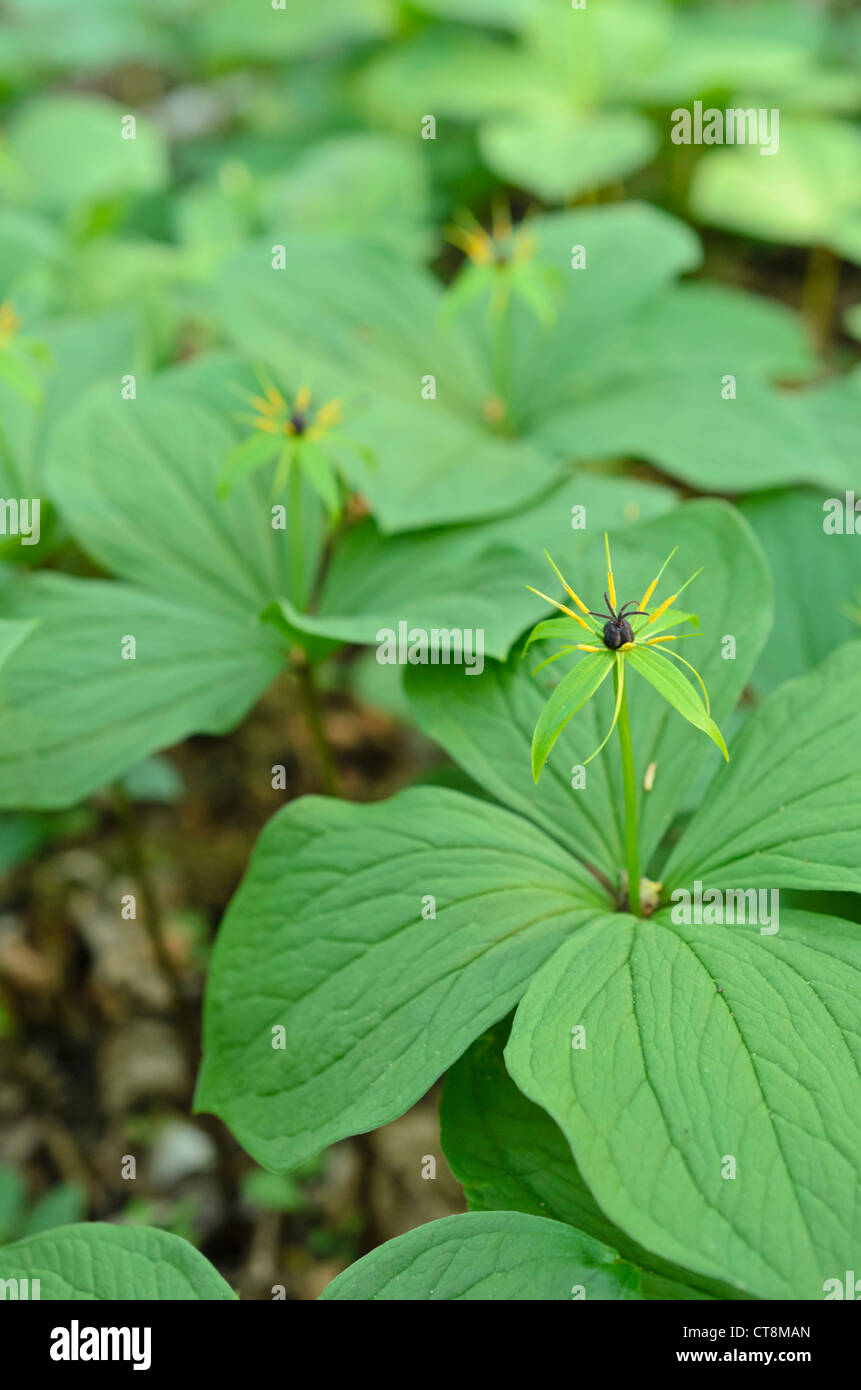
303	398
567	587
662	608
611	587
560	606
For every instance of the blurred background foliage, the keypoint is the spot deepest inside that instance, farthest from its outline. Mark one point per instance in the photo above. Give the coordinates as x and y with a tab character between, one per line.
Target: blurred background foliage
302	126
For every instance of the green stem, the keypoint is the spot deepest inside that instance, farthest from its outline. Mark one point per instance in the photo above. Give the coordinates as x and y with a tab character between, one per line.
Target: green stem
307	684
629	786
297	539
500	316
819	293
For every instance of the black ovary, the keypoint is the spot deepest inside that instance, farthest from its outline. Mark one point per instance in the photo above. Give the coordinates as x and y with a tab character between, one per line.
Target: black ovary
616	634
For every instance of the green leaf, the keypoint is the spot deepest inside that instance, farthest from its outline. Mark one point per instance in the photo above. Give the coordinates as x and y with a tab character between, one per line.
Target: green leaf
134	478
461	577
575	688
788	809
326	939
707	1043
99	1261
377	324
563	157
815	576
359	184
489	1255
70	150
251	454
675	687
75	715
508	1155
82	351
59	1206
806	195
12	634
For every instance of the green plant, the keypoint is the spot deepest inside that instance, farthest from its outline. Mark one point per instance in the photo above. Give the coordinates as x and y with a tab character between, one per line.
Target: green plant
368	947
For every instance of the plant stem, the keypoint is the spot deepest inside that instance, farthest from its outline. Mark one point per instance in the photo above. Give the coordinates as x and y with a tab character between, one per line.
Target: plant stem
629	785
297	540
819	293
305	676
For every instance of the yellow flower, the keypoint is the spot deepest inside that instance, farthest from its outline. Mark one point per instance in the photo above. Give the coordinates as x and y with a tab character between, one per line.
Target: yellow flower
501	246
275	416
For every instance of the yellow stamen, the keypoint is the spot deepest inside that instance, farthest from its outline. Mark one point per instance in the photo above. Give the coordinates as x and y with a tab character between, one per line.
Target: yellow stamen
268	425
662	608
626	646
303	398
265	407
654	584
477	245
276	400
611	587
567	587
560	606
653	641
584	647
9	322
328	414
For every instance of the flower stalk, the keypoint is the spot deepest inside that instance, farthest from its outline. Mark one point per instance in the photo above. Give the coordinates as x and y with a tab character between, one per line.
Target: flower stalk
629	790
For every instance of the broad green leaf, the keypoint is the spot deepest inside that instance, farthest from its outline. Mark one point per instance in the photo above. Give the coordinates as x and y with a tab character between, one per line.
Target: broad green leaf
59	1206
681	422
229	30
376	324
723	329
137	482
457	74
509	1156
503	1255
787	812
563	157
82	350
705	1044
326	940
816	576
462	577
358	184
95	1260
12	634
74	714
807	194
69	150
576	687
675	687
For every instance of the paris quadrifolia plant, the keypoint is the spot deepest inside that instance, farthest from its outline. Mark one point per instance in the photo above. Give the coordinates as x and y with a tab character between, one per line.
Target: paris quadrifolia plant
624	635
